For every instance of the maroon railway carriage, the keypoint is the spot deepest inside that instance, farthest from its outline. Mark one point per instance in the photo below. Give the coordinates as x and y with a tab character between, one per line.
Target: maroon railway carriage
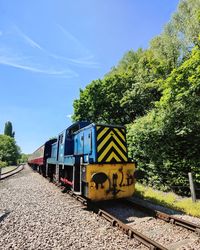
39	157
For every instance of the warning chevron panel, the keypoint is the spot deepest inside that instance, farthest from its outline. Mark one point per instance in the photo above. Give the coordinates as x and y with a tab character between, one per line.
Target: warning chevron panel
111	144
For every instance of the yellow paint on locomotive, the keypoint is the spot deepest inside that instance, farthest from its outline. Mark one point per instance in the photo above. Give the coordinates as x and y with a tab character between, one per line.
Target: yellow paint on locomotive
111	144
119	183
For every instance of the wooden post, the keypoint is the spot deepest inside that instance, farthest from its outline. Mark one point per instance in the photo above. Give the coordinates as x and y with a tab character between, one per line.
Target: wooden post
192	189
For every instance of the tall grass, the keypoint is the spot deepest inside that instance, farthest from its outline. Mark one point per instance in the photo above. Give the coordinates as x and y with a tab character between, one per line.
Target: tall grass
169	200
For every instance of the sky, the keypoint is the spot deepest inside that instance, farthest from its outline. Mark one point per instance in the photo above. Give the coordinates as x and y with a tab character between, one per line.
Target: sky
50	49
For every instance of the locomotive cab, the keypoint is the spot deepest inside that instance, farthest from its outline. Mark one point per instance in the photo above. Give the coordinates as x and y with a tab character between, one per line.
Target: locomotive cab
92	160
105	170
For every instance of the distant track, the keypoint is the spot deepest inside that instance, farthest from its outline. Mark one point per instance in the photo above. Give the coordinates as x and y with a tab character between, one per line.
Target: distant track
11	172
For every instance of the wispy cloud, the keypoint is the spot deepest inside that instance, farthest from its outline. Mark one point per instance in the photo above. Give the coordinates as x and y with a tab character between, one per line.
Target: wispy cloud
22	63
10	62
10	57
21	51
75	40
87	60
28	39
80	62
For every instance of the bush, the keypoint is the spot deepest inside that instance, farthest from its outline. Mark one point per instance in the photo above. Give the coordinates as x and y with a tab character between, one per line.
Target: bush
3	164
9	151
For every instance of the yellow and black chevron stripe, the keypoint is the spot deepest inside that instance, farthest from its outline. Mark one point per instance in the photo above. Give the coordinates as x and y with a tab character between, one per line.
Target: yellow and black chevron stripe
111	144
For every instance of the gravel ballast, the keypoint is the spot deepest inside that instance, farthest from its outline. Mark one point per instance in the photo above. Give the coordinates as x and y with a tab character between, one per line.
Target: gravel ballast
173	237
40	216
37	215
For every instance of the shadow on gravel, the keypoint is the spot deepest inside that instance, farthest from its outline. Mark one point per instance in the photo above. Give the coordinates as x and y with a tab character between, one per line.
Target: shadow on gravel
153	203
121	211
3	215
129	214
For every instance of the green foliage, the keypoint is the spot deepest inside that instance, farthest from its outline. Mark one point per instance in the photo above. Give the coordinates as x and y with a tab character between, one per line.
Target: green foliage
23	158
166	48
169	200
8	130
128	63
127	92
90	103
186	22
100	101
144	90
166	142
9	151
3	164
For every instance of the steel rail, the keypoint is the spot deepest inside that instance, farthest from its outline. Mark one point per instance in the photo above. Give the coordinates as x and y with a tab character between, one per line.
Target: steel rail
132	233
165	217
12	172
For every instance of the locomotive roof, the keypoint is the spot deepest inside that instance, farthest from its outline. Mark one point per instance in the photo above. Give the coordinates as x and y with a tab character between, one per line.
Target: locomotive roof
99	124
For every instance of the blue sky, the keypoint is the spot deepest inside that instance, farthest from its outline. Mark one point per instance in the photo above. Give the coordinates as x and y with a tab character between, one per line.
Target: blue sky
50	49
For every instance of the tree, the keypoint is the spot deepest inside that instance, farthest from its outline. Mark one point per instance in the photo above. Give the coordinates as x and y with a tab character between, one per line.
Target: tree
128	63
90	104
23	158
8	130
166	141
166	48
9	151
186	22
128	91
144	89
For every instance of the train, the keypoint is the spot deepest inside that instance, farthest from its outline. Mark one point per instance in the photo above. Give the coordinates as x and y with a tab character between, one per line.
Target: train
90	159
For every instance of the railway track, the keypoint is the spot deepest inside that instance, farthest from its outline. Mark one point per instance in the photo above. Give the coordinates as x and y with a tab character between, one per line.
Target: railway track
11	172
129	230
165	217
147	240
132	233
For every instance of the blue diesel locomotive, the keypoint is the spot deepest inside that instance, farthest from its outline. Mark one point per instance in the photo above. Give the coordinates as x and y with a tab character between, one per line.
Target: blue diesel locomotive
92	160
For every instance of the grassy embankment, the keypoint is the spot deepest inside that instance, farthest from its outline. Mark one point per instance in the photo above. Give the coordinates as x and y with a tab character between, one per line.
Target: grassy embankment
169	200
7	169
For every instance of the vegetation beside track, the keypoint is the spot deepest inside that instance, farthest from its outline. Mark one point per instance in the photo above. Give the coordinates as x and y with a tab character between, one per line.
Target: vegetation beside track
10	152
169	199
8	169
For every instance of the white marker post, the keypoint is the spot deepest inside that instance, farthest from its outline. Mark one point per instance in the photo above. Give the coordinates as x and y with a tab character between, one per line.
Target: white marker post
192	188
